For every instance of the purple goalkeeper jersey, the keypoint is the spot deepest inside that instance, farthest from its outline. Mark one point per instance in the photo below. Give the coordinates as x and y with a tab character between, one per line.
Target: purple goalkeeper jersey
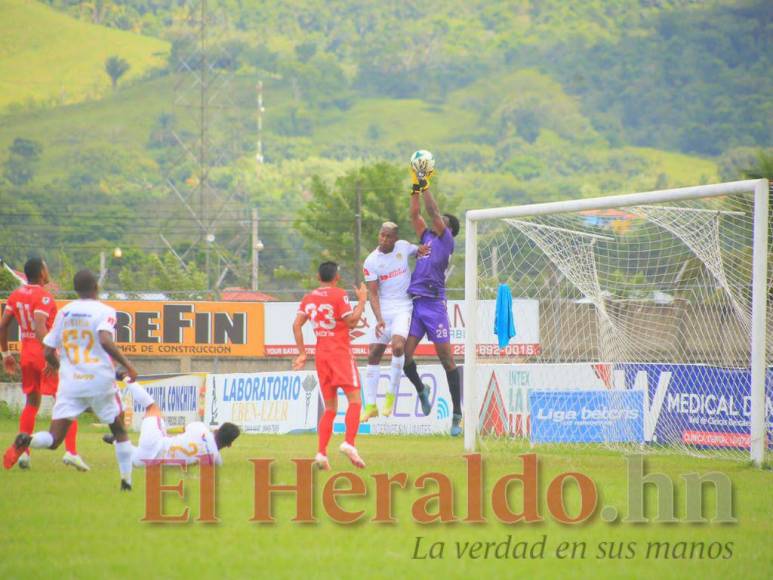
429	276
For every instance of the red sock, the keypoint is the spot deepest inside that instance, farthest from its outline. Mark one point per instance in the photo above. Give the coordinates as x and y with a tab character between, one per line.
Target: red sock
352	421
325	430
69	439
27	419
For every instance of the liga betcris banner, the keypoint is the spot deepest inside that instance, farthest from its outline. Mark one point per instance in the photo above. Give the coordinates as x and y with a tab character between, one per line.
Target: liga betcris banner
183	328
280	342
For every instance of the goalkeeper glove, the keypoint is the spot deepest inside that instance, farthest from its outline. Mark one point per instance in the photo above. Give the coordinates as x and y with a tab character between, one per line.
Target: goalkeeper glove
420	183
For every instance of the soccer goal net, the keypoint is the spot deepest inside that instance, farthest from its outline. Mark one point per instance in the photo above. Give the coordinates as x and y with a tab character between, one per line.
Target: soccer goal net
639	322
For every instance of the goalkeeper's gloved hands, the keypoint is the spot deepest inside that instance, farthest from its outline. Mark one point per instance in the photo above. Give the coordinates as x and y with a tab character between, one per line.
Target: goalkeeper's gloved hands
420	182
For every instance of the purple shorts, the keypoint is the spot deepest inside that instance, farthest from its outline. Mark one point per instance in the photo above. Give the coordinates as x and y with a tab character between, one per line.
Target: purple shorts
430	317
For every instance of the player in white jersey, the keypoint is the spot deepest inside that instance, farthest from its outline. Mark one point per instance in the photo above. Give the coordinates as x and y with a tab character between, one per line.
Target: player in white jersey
195	445
83	332
387	275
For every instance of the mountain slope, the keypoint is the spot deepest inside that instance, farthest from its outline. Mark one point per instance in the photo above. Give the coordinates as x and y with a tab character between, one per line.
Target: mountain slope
47	57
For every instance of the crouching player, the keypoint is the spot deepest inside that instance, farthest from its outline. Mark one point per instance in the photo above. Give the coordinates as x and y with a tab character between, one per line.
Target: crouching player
191	446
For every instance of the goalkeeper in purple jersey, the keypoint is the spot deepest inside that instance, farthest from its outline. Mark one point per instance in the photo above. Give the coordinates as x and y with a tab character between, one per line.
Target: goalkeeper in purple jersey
428	291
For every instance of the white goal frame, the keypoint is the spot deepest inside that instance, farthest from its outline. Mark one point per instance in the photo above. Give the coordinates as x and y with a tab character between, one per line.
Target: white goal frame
760	189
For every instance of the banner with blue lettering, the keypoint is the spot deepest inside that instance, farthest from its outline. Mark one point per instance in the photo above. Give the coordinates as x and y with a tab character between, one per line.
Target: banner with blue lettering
281	402
180	397
407	417
592	416
699	405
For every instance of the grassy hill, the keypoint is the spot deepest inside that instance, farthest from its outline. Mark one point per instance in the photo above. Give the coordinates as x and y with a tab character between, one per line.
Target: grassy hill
49	58
471	134
520	102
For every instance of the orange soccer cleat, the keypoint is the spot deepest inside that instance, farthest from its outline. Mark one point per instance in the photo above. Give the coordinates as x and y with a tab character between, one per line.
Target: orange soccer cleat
12	454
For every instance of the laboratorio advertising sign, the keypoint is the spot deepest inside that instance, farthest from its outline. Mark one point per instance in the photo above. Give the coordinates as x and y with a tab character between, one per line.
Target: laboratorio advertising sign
278	402
290	402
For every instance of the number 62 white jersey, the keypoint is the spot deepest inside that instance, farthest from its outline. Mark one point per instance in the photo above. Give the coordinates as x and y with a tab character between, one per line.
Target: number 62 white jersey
86	370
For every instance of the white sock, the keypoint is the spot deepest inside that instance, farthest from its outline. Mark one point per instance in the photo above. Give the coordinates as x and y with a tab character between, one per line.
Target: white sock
42	440
123	453
139	395
396	372
371	384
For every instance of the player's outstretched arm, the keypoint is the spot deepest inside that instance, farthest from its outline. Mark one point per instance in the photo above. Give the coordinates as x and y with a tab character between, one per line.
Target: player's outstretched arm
438	225
8	361
300	360
362	297
418	223
106	340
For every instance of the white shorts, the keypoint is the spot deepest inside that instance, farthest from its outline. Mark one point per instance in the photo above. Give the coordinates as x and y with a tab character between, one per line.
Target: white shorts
397	322
150	445
106	407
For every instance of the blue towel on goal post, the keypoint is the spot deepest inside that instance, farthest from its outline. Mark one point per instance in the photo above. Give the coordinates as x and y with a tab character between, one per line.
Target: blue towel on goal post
504	323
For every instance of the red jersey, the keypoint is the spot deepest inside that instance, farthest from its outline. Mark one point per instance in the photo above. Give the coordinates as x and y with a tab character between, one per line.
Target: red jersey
327	307
24	303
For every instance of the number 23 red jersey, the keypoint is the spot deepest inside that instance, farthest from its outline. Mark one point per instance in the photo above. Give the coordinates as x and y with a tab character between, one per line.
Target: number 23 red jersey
326	307
24	303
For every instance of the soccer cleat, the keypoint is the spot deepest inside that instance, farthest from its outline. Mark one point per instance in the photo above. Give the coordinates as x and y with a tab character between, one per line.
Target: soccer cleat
24	460
125	485
75	461
389	404
368	412
109	439
351	452
15	451
321	462
426	406
456	428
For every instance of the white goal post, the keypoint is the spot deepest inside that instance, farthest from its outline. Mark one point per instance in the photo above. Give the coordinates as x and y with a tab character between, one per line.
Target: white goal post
687	229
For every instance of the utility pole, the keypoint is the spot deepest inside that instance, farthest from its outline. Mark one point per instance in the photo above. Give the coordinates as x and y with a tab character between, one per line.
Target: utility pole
102	267
357	233
203	169
259	152
254	248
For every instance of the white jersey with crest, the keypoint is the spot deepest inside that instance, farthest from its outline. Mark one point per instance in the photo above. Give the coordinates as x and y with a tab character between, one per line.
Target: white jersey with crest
192	445
86	370
393	274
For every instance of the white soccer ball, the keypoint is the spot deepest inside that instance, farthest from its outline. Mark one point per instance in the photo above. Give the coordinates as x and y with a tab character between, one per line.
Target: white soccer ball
422	162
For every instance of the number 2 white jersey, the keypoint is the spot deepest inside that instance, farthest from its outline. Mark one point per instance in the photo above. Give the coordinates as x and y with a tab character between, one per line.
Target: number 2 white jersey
393	274
190	446
86	370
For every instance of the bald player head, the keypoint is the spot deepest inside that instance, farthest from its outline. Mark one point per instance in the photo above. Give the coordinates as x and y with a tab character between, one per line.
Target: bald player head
387	237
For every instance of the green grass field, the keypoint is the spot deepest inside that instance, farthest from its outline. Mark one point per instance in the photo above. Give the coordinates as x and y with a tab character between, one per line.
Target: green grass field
58	522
